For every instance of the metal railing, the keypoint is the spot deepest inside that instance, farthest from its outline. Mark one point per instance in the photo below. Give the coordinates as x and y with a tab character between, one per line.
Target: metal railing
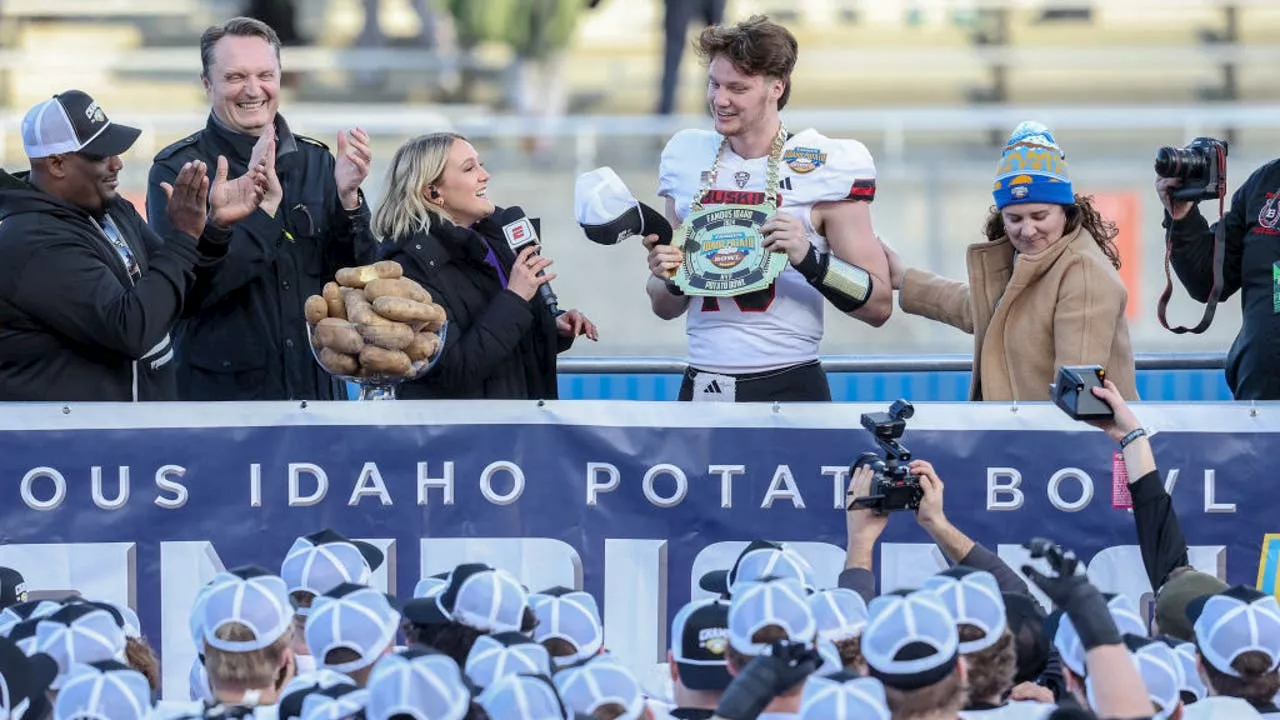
869	363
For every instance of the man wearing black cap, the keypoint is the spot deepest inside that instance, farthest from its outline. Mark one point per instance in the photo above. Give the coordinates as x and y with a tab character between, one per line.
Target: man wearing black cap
89	293
247	340
698	658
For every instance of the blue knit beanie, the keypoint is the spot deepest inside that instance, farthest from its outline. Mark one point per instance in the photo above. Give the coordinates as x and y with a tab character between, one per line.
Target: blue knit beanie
1033	169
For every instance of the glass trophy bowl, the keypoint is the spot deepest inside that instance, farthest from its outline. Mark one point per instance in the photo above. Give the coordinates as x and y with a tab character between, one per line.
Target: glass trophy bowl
376	357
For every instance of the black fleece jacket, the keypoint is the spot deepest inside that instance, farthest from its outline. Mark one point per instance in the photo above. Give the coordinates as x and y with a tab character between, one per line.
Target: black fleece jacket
498	346
74	325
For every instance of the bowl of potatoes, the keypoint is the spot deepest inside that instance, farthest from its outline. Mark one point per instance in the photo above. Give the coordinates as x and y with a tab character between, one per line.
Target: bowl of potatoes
376	328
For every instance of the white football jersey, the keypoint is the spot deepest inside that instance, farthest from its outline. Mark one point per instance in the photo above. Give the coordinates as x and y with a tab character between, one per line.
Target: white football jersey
780	326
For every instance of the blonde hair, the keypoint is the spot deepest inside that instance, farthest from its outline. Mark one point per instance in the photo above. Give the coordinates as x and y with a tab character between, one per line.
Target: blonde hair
244	670
418	163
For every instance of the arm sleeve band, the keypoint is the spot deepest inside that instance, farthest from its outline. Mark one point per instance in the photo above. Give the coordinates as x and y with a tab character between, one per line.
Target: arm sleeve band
847	286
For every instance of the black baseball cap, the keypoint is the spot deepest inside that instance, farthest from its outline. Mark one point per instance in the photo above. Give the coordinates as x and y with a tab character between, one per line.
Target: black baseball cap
609	213
700	643
13	587
70	122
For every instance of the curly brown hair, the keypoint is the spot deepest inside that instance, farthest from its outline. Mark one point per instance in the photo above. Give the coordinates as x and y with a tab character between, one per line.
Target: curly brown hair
991	670
850	650
756	46
1081	213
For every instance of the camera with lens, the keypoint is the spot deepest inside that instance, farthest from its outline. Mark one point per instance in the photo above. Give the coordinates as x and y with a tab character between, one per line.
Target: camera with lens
893	487
1201	165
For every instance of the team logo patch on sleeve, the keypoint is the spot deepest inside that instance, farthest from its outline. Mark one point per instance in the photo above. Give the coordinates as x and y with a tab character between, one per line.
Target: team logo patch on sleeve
804	160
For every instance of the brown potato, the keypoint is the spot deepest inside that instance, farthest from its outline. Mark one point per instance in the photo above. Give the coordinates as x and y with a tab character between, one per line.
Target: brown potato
364	315
392	335
356	277
388	269
424	297
434	344
402	309
336	362
399	287
424	345
437	319
333	298
353	300
315	308
339	335
375	360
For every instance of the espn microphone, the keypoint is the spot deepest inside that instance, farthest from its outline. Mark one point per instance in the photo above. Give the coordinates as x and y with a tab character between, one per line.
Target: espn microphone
520	231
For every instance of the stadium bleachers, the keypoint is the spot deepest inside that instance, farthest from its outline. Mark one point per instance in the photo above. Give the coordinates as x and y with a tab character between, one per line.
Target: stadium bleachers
862	53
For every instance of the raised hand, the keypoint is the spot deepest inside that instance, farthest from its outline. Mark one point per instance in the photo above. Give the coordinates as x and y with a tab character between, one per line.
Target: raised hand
264	156
231	201
352	166
1178	209
1122	420
187	199
931	511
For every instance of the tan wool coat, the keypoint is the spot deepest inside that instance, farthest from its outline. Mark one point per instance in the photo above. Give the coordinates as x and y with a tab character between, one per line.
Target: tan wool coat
1061	306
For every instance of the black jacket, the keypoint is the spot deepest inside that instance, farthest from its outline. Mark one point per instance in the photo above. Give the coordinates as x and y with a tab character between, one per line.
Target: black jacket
498	346
247	339
1252	233
73	324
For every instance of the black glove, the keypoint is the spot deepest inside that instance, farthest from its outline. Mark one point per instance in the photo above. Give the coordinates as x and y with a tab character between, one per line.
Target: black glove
766	677
1073	594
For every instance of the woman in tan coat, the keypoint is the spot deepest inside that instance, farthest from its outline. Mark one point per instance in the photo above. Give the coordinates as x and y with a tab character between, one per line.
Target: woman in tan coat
1043	291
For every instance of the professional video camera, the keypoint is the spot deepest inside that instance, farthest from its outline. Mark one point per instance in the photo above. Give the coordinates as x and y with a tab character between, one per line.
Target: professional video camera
1202	166
892	486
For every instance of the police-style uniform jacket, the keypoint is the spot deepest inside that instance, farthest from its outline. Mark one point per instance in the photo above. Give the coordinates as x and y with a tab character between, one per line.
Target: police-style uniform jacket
86	315
1252	266
247	340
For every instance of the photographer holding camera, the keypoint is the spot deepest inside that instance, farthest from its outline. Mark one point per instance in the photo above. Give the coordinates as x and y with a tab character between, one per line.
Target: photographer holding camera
879	486
1249	259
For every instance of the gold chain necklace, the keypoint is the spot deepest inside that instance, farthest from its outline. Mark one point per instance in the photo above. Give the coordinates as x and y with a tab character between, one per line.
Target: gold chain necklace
770	174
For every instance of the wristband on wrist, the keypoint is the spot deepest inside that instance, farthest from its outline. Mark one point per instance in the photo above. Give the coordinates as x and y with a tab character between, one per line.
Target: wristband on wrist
1133	435
674	289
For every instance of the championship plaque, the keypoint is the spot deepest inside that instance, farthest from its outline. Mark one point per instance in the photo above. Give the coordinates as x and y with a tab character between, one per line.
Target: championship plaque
723	253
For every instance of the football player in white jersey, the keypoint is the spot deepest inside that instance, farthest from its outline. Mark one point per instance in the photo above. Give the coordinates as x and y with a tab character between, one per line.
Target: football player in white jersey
763	346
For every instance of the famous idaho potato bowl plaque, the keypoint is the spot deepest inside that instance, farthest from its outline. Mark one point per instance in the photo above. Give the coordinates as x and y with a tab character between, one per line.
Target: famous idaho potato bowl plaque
723	252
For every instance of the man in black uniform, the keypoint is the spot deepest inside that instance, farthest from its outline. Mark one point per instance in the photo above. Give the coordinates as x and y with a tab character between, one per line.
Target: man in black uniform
247	340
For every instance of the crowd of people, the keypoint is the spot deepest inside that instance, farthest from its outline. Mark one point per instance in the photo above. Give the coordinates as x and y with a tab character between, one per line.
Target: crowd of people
314	641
